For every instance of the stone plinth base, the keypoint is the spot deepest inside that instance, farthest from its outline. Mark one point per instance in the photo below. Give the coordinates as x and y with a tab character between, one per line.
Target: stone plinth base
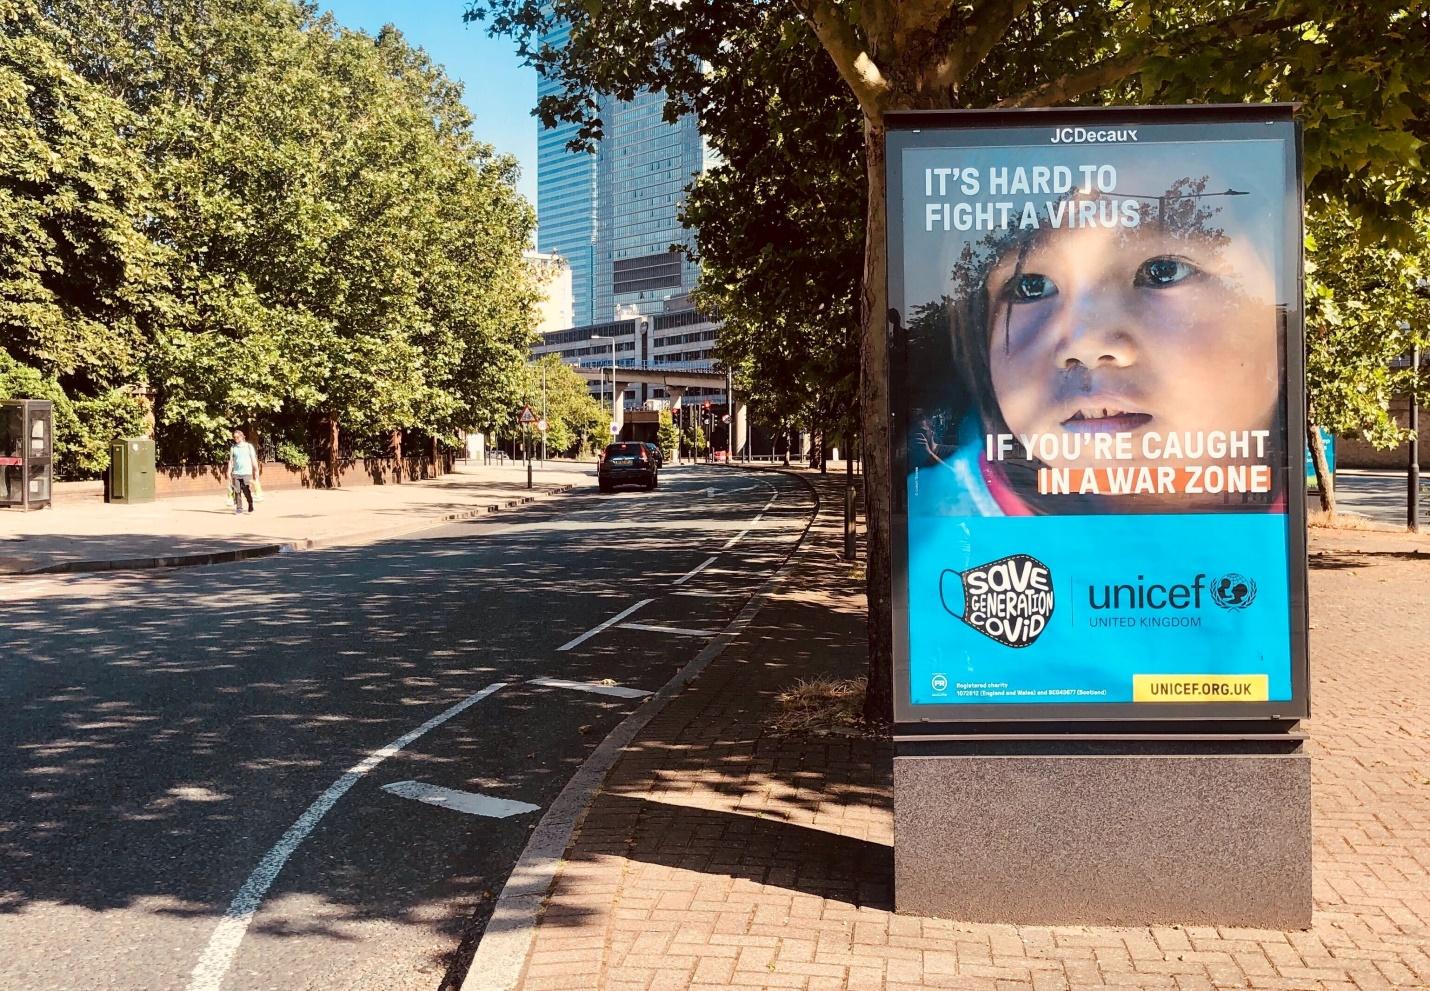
1111	840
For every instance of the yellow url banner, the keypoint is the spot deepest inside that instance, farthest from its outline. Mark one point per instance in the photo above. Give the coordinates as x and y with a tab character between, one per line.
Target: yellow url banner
1200	688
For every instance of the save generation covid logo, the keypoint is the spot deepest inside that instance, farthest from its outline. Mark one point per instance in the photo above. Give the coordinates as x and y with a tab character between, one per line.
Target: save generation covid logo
1011	600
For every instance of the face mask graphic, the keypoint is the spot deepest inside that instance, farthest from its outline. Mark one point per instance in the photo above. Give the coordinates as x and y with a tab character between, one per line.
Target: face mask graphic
1009	600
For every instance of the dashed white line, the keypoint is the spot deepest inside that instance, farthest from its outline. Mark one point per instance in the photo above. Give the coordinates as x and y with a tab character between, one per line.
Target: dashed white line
699	568
653	628
591	686
606	625
218	955
736	539
470	802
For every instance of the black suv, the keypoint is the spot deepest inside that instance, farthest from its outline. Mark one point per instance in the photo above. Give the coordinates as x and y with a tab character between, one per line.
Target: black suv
656	454
626	463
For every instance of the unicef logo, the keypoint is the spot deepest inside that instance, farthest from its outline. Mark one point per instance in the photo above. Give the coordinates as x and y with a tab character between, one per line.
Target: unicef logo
1233	591
940	683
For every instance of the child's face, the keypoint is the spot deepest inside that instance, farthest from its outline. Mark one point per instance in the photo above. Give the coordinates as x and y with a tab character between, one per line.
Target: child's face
1133	331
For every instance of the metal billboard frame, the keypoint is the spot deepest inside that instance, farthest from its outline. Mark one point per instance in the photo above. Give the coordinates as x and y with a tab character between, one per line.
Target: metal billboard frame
1091	721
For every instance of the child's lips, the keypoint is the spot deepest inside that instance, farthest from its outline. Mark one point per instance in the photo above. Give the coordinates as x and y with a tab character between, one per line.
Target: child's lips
1105	419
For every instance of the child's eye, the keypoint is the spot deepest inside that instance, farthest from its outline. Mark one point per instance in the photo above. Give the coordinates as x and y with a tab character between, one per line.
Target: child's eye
1164	270
1030	288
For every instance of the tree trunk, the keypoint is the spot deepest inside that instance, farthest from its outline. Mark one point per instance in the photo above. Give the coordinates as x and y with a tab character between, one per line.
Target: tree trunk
874	411
333	450
322	449
394	448
1325	481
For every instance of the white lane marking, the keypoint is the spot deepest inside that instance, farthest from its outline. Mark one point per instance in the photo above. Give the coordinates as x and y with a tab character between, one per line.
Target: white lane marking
652	628
218	955
608	623
736	539
470	802
705	594
699	568
591	686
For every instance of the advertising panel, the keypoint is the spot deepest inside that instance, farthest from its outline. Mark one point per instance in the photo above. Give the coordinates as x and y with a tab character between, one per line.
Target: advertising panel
1096	372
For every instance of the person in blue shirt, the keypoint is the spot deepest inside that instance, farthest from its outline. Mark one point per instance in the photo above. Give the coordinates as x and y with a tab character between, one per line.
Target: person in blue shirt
243	470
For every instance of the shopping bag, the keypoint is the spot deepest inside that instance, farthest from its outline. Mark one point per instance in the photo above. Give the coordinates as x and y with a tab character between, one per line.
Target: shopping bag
257	487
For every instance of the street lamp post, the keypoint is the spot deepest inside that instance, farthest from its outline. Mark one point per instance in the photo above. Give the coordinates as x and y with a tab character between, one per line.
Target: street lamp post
543	416
1412	507
1412	480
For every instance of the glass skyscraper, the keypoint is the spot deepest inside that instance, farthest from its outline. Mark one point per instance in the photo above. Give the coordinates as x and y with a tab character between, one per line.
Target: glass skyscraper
614	215
566	200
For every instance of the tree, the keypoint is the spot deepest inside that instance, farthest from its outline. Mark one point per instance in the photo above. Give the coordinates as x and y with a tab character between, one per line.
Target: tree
783	272
256	217
572	415
667	435
695	439
76	271
1365	307
1357	67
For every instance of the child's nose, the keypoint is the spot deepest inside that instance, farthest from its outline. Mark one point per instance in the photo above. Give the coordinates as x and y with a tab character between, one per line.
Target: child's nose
1095	332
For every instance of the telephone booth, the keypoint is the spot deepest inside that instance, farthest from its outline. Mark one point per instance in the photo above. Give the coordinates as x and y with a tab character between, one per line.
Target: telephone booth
26	453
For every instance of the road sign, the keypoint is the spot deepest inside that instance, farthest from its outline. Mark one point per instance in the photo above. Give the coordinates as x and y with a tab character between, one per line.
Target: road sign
528	416
615	430
541	425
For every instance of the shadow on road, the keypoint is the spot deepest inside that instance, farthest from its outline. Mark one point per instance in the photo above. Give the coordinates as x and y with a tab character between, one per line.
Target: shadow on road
165	727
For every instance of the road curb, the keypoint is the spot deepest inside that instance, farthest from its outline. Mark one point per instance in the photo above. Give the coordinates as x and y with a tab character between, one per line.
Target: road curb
231	555
501	953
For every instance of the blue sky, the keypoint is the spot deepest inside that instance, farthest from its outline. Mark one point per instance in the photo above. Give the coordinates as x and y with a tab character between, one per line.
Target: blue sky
499	90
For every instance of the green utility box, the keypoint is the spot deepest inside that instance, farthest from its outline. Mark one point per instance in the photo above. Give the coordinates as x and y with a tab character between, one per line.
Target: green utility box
131	470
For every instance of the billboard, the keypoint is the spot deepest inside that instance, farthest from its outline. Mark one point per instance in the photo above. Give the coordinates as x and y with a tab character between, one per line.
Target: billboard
1096	372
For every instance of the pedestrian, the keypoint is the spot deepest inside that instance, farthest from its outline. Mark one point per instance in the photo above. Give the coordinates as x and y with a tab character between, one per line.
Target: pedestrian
243	470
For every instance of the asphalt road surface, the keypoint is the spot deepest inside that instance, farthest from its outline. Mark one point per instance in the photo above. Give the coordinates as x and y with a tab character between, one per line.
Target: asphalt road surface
231	777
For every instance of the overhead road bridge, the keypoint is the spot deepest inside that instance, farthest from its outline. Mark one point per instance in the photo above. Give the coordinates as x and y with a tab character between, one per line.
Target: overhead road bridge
676	380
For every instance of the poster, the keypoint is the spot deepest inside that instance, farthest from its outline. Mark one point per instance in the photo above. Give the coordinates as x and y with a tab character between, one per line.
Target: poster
1096	364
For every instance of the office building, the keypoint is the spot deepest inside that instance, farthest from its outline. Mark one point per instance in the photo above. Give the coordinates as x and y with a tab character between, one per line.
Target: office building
614	215
566	199
682	339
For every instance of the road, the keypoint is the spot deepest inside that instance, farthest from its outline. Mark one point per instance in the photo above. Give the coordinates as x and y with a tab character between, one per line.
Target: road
1378	494
193	789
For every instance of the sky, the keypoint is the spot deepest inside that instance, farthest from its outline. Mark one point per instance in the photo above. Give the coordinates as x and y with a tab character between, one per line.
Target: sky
499	90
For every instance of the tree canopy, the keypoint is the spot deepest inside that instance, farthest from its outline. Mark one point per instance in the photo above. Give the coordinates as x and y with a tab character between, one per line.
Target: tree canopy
575	421
244	213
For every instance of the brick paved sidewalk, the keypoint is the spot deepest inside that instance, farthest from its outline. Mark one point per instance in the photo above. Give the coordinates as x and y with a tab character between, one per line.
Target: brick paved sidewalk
718	856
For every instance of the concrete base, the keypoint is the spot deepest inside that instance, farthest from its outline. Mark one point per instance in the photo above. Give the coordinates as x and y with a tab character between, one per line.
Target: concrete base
1110	840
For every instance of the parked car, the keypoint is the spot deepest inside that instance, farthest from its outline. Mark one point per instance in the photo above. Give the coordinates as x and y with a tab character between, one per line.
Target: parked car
626	463
656	454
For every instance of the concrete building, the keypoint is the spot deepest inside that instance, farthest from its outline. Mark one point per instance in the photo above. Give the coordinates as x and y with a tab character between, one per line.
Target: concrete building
556	305
681	340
